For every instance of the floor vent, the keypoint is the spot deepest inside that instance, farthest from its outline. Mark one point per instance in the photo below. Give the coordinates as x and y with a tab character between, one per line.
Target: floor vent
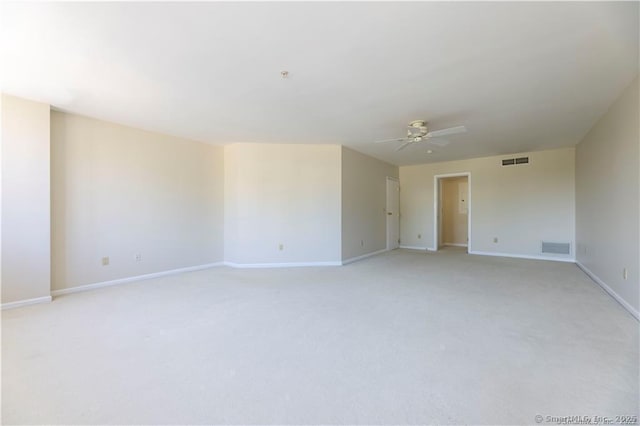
515	161
556	248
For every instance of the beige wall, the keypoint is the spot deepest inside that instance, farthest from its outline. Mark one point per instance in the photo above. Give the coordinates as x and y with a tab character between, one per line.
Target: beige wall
454	222
607	199
282	194
118	191
519	205
364	183
25	215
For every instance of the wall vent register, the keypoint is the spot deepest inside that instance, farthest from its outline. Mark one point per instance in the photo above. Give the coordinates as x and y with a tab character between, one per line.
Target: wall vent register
515	161
556	248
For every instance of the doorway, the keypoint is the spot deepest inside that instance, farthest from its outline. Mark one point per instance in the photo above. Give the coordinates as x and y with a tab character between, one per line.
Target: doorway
393	213
452	211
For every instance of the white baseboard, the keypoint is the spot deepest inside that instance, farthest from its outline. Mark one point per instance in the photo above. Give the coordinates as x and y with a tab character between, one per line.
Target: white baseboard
94	286
454	245
280	265
26	302
364	256
524	256
414	248
609	290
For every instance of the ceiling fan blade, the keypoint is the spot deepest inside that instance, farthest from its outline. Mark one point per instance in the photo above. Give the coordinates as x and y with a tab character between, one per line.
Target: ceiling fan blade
391	140
445	132
439	141
404	145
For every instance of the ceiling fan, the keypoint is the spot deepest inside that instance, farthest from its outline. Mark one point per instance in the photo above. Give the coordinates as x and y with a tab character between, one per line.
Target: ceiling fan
418	132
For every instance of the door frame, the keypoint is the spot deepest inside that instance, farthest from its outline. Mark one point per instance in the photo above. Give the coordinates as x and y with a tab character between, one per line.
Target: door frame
436	207
386	203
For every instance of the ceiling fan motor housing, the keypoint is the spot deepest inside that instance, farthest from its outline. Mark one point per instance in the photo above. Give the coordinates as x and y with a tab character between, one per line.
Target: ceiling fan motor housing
417	128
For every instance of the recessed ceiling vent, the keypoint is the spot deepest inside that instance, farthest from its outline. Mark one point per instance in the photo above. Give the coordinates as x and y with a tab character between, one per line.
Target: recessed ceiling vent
515	161
556	248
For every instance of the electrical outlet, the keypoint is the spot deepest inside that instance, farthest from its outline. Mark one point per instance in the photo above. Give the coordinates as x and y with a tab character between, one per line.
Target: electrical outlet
281	247
361	243
138	257
495	239
105	261
419	236
624	273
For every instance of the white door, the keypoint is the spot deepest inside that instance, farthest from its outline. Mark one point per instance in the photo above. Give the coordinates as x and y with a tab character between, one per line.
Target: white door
393	214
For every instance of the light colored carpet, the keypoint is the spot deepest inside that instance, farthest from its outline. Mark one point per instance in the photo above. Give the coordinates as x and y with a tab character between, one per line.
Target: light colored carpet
404	337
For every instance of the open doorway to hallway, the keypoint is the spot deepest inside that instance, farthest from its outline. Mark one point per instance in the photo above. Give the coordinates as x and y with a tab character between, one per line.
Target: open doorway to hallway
452	211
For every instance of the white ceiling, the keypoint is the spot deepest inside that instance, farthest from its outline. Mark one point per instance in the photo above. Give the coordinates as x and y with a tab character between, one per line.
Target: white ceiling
520	76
